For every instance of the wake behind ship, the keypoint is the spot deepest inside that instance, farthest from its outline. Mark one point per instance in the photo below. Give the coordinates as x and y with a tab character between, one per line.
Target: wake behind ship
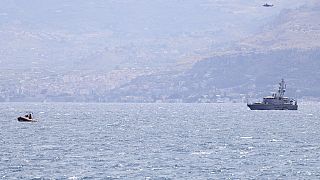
276	102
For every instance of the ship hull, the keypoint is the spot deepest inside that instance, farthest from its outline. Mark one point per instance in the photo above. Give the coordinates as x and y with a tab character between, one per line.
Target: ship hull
272	107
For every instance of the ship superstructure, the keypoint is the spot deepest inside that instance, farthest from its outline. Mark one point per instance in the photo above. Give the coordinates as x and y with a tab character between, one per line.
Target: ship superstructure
276	101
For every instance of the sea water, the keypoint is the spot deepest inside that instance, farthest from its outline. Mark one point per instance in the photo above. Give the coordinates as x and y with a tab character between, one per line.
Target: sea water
158	141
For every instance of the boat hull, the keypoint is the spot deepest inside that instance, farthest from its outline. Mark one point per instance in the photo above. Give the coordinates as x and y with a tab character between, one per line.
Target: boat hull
24	119
272	107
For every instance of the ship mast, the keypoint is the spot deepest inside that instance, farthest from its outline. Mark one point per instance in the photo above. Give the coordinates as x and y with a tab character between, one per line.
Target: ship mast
282	88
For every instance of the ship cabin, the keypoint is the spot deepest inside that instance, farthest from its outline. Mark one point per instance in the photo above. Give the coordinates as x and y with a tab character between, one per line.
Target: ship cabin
277	100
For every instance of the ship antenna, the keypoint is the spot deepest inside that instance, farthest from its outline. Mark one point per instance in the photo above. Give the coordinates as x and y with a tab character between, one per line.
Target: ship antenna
282	88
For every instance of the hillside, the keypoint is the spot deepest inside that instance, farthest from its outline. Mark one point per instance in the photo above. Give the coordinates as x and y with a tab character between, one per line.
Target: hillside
103	35
287	48
240	76
292	29
144	51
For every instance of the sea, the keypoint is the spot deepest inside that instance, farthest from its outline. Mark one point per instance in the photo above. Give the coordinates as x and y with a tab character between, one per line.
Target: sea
158	141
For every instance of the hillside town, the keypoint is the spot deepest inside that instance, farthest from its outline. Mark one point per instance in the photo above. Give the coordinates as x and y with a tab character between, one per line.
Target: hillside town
80	86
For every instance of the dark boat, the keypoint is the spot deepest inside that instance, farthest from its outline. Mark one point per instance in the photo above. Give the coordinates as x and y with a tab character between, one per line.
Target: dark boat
267	5
276	102
26	118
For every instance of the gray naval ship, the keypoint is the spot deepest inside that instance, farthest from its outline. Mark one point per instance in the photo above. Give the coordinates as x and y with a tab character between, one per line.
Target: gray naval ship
276	102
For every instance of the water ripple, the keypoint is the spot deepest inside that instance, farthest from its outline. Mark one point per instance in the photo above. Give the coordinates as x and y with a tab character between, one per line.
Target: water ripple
159	141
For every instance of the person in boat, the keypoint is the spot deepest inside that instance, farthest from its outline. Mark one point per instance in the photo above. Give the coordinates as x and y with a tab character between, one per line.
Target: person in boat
28	116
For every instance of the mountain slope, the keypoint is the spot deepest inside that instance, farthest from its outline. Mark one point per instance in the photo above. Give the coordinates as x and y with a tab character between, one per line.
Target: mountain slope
254	74
282	51
298	28
99	34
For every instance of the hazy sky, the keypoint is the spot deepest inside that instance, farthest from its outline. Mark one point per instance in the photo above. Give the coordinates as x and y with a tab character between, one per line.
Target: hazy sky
136	16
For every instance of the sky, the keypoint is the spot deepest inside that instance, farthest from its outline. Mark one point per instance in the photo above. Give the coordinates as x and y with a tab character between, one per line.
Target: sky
136	16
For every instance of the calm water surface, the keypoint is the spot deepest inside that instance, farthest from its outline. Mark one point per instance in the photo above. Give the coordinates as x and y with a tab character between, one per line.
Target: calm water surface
159	141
